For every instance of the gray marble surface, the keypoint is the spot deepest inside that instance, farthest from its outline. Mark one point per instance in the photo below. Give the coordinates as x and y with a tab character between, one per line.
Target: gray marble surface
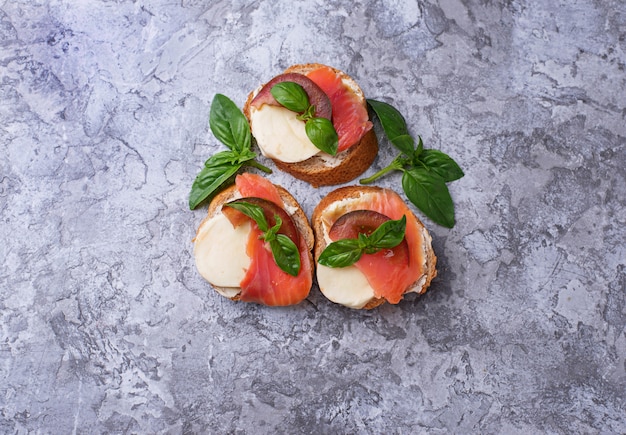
105	325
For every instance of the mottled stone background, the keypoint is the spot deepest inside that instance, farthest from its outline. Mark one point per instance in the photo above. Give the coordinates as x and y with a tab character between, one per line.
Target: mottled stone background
105	325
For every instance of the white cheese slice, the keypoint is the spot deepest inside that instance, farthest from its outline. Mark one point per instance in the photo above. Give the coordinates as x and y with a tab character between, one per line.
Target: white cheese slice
343	285
280	134
220	253
346	286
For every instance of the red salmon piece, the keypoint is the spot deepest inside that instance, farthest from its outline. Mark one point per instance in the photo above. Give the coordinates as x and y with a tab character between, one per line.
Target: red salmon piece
257	186
265	282
350	117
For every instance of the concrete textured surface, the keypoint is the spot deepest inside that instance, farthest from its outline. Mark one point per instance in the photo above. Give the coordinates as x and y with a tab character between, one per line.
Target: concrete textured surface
105	325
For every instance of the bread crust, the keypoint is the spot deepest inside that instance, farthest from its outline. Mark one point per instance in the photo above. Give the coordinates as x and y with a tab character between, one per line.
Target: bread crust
348	192
346	165
299	218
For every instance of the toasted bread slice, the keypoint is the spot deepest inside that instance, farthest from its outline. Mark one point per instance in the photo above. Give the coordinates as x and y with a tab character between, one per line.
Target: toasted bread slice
329	209
292	207
323	169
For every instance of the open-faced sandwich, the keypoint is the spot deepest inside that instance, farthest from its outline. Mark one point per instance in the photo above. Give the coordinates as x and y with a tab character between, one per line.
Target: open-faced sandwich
370	248
312	121
255	244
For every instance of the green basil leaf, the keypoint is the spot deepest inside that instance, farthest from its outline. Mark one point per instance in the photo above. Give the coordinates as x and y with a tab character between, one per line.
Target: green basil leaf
322	134
230	158
228	124
420	147
341	253
222	158
291	95
404	143
209	180
429	193
389	234
270	234
394	125
252	211
286	254
442	164
246	155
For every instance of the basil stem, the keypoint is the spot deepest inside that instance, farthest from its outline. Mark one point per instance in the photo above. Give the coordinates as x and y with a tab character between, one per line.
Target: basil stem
345	252
284	250
396	165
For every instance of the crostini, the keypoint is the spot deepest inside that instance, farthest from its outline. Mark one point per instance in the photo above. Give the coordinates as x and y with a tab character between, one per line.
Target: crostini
380	275
281	134
241	247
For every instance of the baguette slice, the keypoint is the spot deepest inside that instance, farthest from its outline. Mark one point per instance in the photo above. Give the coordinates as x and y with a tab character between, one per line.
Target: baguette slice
292	207
341	201
323	169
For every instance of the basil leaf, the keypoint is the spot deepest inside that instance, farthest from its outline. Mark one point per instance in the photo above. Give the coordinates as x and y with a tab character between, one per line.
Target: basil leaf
252	211
228	124
394	125
442	164
222	158
341	253
216	172
210	178
389	234
322	134
404	143
286	254
420	147
291	95
428	192
246	155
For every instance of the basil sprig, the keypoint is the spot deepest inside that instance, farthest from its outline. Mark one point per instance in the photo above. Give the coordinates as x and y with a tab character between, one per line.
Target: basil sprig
320	131
284	250
345	252
425	171
230	127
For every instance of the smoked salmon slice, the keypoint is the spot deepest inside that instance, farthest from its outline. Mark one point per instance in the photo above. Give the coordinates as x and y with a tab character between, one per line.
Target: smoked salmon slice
350	117
264	281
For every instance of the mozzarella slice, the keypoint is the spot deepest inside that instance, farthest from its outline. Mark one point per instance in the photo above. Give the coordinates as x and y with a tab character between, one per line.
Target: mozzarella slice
280	134
343	285
220	253
346	286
